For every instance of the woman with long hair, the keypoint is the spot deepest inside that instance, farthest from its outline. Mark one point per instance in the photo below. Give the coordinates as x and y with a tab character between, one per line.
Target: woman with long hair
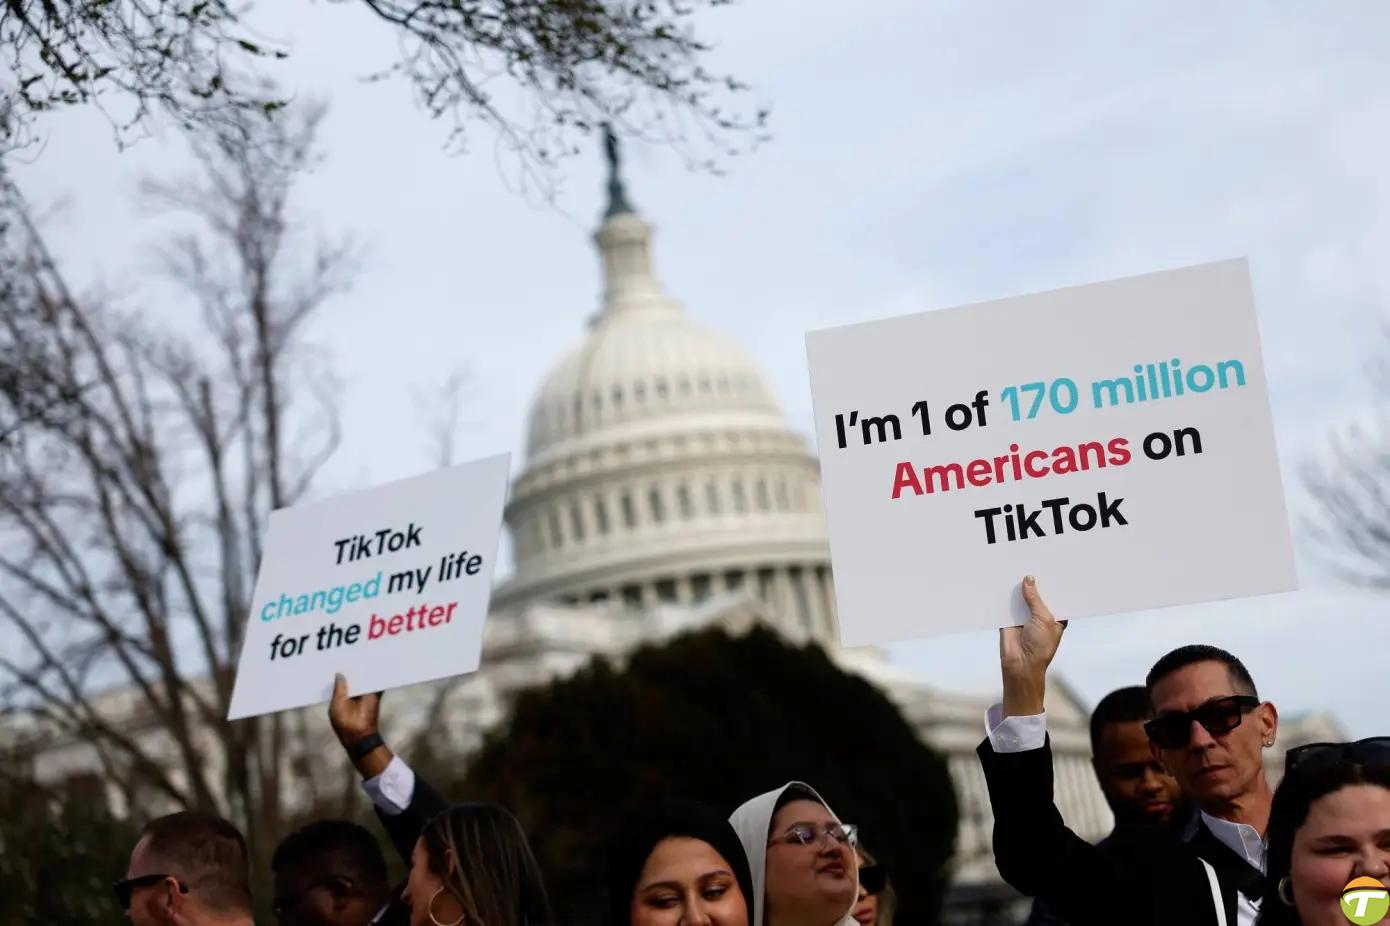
679	862
1329	826
801	856
473	865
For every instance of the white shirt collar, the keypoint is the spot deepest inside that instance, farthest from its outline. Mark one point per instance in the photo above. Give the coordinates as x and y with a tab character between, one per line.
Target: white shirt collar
1241	838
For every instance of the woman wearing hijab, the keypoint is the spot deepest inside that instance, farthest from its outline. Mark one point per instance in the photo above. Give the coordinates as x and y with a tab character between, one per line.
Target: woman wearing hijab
802	858
680	862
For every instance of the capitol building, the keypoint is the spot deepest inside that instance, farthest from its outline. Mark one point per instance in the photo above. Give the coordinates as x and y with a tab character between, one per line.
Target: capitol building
662	489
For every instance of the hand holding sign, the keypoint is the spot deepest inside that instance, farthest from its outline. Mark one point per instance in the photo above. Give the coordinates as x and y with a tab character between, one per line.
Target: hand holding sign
353	719
1026	651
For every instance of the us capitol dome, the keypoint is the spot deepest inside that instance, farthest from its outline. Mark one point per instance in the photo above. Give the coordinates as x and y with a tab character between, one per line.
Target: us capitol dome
659	468
662	489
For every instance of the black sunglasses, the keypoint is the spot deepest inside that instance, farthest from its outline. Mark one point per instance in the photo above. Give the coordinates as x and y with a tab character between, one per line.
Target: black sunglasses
1218	716
127	887
1315	757
873	878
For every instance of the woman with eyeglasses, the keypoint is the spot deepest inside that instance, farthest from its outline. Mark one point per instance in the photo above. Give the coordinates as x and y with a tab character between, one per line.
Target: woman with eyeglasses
472	864
801	856
876	901
1329	826
679	862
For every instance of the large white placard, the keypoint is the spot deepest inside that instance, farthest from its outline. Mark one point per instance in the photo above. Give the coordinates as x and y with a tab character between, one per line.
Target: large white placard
389	586
1112	439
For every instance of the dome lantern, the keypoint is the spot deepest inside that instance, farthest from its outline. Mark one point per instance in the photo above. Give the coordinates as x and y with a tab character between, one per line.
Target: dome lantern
624	243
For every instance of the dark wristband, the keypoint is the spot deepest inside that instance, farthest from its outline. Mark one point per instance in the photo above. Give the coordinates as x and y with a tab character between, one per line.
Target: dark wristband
365	746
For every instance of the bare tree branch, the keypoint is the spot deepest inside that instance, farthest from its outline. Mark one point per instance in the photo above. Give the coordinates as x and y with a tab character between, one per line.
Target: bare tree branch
440	407
1350	486
539	74
134	488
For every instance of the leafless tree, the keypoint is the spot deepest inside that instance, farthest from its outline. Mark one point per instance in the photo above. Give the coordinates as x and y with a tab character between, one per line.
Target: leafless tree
537	72
1350	485
440	406
137	467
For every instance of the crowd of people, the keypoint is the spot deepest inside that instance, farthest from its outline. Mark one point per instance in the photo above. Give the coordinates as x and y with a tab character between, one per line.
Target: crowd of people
1199	838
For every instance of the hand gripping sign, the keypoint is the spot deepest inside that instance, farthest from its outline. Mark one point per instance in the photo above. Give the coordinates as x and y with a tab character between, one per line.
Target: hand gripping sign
1112	438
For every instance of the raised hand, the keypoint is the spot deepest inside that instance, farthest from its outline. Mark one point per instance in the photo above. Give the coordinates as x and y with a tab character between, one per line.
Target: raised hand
353	719
1026	651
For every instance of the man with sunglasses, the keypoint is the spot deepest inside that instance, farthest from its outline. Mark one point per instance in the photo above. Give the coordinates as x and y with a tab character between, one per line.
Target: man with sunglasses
188	869
1210	727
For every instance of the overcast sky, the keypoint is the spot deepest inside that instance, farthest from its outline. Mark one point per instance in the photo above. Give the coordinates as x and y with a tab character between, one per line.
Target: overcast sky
923	155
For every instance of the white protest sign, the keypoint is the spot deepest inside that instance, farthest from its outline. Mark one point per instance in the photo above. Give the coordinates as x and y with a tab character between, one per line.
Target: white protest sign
1113	440
389	586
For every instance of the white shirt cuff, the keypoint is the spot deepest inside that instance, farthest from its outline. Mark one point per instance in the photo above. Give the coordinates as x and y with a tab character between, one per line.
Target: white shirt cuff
392	790
1015	734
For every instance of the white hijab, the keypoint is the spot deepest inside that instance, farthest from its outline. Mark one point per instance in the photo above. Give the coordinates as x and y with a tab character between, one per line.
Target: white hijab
751	822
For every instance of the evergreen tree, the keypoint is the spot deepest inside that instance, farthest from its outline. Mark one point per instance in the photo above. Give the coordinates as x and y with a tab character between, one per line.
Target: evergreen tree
720	719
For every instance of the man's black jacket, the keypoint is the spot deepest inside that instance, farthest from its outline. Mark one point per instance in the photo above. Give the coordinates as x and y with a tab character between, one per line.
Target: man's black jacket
1139	875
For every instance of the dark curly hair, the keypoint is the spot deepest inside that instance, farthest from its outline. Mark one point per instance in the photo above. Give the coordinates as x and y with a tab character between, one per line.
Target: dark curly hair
353	847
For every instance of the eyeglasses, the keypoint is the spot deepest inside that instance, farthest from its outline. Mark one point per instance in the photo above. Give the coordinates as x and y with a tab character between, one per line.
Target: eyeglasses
1218	717
1318	756
805	834
124	889
873	878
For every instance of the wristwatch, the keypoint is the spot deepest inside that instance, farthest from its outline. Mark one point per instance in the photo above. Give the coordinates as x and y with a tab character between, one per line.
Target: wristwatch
364	746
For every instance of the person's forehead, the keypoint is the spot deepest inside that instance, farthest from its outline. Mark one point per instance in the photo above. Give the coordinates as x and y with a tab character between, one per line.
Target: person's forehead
1353	809
292	878
681	857
1125	740
802	810
1191	686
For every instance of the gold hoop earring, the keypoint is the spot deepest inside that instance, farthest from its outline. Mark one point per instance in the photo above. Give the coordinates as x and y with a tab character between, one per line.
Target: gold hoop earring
430	910
1285	892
